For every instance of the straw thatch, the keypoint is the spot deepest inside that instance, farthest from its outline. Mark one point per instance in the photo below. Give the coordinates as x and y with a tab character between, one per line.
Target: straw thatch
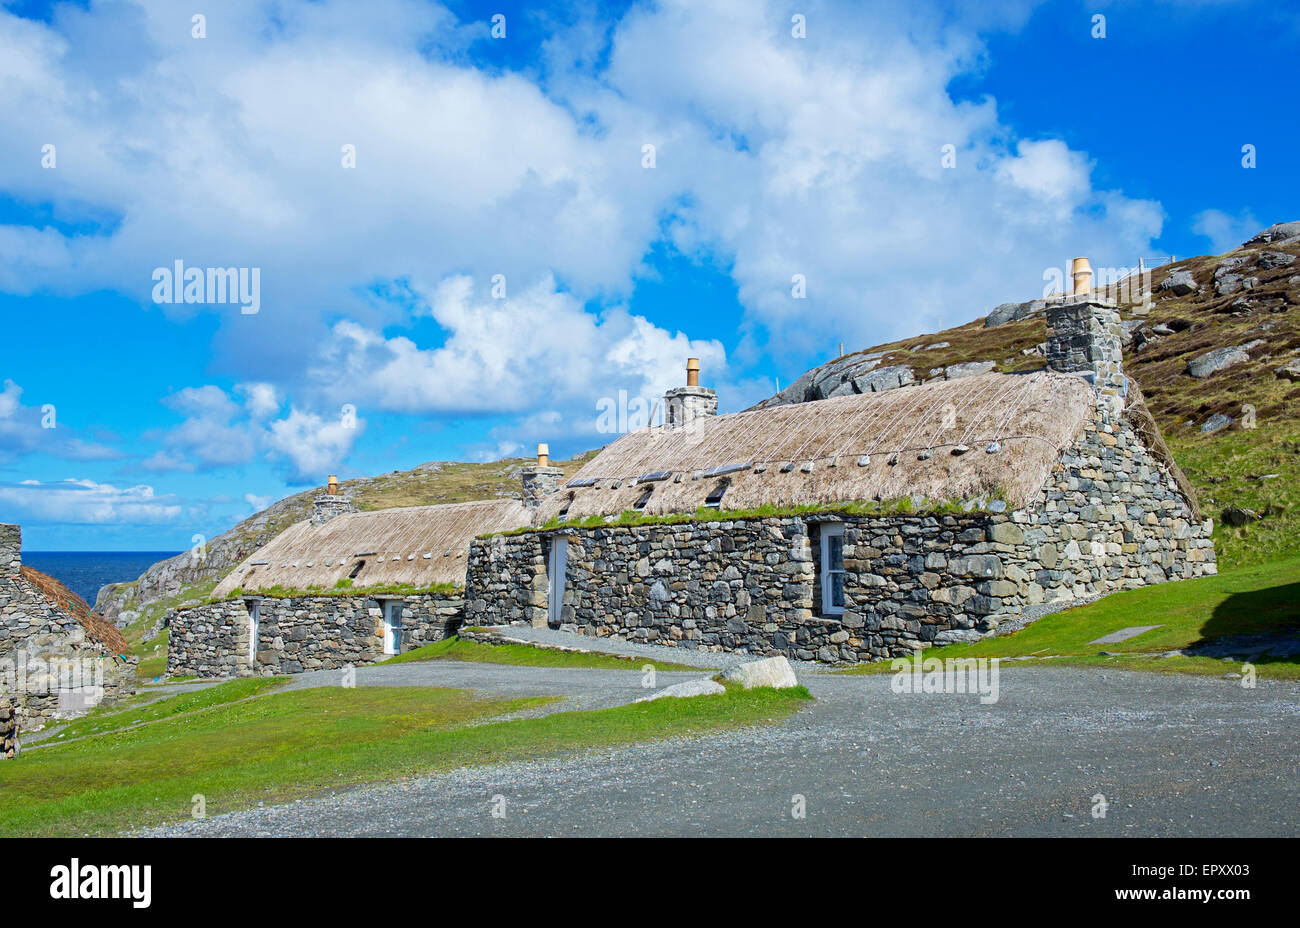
69	603
813	453
418	546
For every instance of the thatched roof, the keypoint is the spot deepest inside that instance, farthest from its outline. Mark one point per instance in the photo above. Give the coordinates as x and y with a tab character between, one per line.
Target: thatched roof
888	445
417	545
69	603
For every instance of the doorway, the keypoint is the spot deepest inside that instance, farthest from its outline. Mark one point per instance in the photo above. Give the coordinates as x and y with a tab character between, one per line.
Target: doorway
557	562
393	626
254	607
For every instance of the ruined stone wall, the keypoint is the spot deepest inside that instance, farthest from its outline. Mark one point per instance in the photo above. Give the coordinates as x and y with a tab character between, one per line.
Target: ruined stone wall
301	633
8	728
48	664
1108	518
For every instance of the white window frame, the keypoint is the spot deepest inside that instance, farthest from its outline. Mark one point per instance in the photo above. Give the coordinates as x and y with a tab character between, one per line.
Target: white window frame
830	530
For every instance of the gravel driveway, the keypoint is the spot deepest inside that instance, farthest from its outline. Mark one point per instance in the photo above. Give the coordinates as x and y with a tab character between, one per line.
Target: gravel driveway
1170	754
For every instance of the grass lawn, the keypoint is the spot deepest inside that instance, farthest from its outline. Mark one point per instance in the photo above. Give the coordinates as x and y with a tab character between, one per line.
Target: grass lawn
1263	599
283	746
453	649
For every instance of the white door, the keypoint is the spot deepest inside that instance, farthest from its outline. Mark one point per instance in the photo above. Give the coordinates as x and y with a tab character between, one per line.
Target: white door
555	572
254	607
392	627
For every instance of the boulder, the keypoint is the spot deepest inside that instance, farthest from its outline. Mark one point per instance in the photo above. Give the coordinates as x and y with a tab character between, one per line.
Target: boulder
1271	259
968	369
1180	283
1013	312
1290	371
1219	359
775	672
1239	515
1216	422
701	687
1279	232
1227	284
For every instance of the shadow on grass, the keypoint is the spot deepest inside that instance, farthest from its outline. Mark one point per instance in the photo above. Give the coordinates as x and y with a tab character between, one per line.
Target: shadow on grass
1259	625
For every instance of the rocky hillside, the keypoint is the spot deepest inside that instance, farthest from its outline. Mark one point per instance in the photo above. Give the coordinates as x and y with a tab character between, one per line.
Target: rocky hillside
1216	354
138	605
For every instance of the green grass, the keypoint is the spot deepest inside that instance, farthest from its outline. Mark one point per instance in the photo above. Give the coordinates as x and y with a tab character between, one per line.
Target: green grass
453	649
1264	599
128	714
290	745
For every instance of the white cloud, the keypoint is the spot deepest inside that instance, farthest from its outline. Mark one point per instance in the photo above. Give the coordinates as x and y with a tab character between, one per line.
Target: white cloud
83	502
219	432
1225	231
38	430
537	354
775	157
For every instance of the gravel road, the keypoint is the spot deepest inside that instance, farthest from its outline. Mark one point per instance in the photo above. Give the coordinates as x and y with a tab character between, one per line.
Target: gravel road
1170	754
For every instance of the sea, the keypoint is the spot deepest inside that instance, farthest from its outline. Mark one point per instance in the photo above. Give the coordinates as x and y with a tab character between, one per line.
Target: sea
84	572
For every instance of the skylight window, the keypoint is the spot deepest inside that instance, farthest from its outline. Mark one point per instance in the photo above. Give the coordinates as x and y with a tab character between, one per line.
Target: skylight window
714	499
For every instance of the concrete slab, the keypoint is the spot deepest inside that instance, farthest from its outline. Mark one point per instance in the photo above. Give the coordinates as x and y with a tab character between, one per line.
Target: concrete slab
1124	634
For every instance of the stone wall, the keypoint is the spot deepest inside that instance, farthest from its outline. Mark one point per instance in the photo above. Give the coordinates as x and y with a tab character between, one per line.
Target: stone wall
8	728
48	664
301	633
1109	518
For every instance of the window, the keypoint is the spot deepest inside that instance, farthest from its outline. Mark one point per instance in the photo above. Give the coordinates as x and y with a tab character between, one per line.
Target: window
644	501
832	565
568	504
356	569
714	499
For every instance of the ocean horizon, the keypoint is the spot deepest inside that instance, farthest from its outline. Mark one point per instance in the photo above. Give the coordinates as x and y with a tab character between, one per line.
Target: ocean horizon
86	572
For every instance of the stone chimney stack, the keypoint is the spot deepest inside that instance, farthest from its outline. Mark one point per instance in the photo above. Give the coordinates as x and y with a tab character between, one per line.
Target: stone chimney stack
331	503
691	402
11	550
541	479
1083	337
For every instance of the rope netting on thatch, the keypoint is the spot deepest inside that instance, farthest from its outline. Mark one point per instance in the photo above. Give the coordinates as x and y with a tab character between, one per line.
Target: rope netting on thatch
943	440
1139	416
72	604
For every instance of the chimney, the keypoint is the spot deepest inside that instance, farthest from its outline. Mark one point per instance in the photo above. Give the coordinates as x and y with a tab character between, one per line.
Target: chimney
691	402
11	550
541	479
330	504
1081	272
1083	337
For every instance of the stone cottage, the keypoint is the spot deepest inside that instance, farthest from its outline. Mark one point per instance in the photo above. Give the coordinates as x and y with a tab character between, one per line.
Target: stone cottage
58	659
340	588
862	526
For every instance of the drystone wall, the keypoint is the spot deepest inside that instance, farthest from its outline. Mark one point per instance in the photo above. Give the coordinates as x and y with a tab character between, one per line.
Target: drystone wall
48	665
301	633
1109	518
8	728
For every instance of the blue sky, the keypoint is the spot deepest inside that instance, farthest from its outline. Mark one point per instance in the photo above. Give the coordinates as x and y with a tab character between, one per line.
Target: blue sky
503	254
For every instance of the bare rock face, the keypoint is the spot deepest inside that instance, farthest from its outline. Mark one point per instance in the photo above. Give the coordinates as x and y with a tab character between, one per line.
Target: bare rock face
1014	312
1219	359
968	369
857	373
1271	259
1282	232
1180	283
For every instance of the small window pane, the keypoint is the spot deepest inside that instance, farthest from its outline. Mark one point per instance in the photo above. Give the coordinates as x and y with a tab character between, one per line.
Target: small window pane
835	553
837	589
